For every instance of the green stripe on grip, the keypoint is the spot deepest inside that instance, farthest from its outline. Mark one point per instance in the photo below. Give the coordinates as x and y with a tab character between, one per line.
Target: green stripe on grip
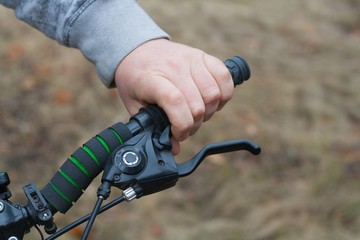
102	141
80	166
92	155
61	194
67	177
118	136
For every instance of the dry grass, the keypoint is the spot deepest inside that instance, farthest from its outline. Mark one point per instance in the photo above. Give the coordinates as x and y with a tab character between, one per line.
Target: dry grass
301	105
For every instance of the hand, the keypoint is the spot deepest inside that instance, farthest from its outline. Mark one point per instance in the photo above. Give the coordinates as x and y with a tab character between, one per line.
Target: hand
188	84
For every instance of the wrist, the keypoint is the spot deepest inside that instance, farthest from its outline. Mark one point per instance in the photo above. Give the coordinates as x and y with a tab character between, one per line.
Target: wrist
123	27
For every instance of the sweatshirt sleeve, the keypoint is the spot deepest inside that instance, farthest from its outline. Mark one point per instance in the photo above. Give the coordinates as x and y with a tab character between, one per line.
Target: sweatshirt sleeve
105	31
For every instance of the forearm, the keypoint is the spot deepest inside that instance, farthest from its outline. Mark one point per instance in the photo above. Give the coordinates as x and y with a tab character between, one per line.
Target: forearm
104	30
49	16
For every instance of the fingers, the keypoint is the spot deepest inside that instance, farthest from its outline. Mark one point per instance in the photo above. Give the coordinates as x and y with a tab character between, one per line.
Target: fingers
164	93
189	85
207	86
214	82
222	77
175	146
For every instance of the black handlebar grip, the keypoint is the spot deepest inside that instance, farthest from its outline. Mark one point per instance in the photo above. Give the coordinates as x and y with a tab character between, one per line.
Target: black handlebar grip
78	171
239	69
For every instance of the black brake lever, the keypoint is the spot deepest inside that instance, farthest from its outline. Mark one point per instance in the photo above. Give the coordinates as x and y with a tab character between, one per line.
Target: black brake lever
190	166
146	164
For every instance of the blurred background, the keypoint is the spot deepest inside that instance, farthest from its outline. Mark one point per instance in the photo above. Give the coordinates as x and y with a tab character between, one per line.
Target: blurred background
301	105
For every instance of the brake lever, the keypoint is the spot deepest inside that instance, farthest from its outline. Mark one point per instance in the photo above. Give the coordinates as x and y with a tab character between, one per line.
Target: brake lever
145	164
190	166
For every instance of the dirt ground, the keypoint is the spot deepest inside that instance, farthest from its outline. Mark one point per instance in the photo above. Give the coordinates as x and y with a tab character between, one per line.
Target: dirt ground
301	106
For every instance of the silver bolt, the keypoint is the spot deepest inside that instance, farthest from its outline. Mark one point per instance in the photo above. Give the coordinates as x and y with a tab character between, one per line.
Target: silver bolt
2	206
45	216
130	158
13	238
129	194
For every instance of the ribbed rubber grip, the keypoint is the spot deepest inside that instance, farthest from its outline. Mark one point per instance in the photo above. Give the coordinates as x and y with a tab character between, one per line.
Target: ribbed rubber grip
78	171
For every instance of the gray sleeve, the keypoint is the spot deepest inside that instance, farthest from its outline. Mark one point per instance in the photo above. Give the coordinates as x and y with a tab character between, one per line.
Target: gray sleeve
104	30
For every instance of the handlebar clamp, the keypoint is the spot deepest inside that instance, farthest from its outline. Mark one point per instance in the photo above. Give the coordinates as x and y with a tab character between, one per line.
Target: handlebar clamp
16	220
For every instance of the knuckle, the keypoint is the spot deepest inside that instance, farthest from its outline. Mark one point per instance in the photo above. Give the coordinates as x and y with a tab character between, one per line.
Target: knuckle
173	98
224	74
186	125
227	95
182	128
221	72
198	112
212	96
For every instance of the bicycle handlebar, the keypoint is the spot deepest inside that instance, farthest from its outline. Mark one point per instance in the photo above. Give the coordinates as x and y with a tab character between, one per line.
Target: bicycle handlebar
79	170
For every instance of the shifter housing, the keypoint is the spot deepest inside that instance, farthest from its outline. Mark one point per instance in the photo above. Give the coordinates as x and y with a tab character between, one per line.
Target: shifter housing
146	163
